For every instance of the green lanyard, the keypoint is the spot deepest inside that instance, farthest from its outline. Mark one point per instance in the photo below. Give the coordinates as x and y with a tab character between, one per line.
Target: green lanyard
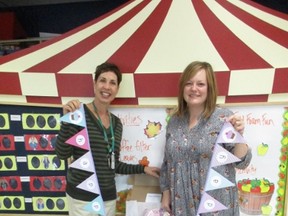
110	150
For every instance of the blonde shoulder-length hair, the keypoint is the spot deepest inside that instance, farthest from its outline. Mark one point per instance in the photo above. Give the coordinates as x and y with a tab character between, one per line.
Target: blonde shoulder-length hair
212	92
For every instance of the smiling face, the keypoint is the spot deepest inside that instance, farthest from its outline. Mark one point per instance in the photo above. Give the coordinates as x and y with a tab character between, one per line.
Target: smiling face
106	87
196	89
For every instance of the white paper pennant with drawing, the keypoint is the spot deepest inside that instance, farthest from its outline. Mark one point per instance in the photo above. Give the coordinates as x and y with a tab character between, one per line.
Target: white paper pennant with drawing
221	157
229	135
90	184
84	163
209	204
216	181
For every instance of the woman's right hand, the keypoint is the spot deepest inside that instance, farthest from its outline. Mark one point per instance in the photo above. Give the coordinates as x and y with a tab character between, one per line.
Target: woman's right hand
166	201
71	106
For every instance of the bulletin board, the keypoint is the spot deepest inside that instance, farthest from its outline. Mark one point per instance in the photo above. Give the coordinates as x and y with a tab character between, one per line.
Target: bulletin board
32	177
266	132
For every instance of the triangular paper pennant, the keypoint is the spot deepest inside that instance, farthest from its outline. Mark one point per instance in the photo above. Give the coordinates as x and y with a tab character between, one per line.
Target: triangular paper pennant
90	184
221	157
209	204
229	135
96	205
84	163
216	181
77	117
80	140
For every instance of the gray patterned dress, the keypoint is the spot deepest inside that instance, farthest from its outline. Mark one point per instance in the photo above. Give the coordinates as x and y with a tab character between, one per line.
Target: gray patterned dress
186	162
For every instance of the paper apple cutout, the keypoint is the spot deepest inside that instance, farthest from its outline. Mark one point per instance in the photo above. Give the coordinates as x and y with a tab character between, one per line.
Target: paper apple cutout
286	115
282	167
283	158
281	175
281	183
284	141
266	209
285	133
279	213
262	149
284	149
281	191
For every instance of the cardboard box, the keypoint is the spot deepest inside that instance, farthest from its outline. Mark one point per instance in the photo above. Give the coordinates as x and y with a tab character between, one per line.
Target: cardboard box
142	185
136	204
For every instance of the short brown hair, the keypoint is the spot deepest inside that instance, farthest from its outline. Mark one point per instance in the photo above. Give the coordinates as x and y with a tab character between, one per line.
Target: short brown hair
212	91
105	67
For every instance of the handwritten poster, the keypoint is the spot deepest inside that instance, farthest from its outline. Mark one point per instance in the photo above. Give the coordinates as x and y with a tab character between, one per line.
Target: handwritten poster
143	135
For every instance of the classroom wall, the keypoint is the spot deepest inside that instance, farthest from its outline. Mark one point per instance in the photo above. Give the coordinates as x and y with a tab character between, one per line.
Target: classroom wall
144	139
262	49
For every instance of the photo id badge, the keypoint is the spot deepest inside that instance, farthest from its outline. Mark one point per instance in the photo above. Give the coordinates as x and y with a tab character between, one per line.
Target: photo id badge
112	160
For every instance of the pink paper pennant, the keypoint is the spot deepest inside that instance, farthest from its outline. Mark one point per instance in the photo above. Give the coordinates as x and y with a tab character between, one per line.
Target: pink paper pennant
80	140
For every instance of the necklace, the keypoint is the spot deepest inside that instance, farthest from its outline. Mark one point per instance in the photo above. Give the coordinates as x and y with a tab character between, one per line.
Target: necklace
110	155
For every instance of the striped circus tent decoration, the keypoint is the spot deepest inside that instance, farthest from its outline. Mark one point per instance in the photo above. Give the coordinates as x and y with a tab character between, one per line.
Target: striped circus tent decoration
152	41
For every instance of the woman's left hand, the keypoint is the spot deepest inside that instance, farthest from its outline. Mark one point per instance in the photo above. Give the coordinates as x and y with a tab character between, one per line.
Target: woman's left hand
153	171
237	122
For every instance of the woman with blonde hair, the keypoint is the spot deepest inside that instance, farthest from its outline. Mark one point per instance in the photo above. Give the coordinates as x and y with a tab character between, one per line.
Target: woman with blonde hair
190	138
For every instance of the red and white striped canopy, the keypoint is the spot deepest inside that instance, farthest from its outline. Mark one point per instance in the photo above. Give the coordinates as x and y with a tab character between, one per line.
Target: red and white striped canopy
152	41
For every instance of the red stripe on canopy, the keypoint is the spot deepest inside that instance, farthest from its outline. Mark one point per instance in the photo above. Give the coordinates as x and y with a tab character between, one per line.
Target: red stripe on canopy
75	85
280	81
10	84
131	53
62	59
247	99
125	101
227	44
156	85
43	100
223	79
270	31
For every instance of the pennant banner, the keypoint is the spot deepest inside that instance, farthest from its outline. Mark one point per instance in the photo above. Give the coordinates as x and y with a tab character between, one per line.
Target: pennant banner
221	157
81	140
77	117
